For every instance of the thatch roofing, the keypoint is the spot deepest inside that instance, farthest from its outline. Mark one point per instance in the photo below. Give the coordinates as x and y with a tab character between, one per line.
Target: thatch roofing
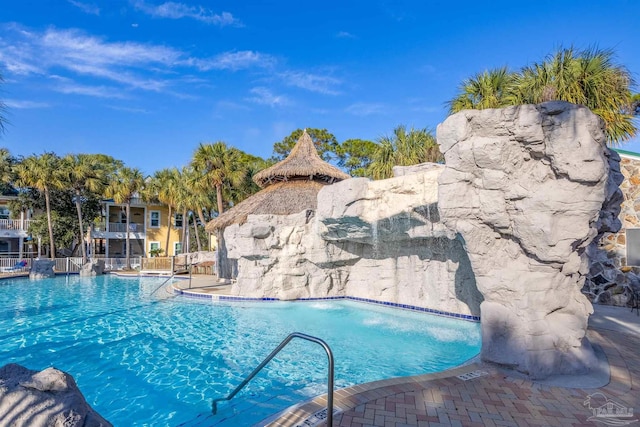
289	186
282	198
302	163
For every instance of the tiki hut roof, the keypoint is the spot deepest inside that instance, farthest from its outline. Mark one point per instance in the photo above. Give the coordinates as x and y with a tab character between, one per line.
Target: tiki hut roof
282	198
303	163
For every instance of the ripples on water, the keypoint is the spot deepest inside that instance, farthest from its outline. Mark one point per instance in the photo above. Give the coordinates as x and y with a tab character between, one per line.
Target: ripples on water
149	358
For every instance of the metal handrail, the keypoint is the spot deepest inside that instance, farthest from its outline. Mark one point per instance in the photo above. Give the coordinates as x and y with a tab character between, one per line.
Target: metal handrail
214	403
163	283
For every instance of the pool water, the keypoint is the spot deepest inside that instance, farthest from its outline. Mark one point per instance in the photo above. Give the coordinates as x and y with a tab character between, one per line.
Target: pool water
145	358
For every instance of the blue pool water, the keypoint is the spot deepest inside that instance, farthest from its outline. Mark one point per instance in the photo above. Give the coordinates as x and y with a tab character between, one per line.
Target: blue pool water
155	359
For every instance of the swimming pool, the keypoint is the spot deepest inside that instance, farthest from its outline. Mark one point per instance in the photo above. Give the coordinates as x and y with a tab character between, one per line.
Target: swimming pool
144	359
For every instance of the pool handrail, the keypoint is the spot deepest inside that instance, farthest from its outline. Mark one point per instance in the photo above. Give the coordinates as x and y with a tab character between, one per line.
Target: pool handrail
325	346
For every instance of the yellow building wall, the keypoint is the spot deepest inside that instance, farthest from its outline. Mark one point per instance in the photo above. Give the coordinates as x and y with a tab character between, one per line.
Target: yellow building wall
159	234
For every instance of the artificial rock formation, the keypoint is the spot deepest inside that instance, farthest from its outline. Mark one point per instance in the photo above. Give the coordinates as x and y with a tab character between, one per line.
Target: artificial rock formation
49	398
610	279
386	229
92	268
42	269
524	187
500	231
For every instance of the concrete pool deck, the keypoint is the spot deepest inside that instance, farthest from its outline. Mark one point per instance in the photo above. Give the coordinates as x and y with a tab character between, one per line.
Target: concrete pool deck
488	396
479	394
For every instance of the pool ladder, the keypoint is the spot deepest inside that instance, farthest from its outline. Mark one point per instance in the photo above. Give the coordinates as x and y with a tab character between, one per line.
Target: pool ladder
214	403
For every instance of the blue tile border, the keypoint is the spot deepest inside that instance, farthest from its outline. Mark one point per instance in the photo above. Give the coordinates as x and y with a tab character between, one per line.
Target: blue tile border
467	317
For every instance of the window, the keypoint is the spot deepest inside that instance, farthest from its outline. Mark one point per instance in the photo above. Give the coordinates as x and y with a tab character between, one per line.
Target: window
177	220
155	219
4	212
154	249
177	248
633	246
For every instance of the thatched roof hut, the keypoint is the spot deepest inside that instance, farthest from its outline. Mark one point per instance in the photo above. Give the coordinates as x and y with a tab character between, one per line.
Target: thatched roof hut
289	186
303	163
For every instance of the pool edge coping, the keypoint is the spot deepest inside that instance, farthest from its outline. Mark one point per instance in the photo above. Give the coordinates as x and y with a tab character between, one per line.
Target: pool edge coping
231	298
350	397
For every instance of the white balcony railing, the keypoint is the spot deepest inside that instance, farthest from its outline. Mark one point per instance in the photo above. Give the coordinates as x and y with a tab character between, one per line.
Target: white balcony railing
118	227
14	224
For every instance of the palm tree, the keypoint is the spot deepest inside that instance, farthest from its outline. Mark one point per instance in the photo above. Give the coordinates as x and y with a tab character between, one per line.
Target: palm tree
182	201
403	149
124	185
7	162
163	186
44	174
201	197
589	77
84	173
219	165
490	89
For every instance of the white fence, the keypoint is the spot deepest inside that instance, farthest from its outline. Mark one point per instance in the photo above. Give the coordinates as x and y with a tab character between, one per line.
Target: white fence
66	265
8	265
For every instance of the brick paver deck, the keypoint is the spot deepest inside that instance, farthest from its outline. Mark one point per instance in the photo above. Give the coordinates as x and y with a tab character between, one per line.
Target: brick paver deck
494	399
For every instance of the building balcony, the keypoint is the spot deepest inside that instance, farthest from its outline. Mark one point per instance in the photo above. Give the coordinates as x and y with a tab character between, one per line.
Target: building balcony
116	230
14	227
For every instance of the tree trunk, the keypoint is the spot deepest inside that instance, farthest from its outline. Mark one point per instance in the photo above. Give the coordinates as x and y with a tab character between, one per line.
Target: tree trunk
128	242
195	228
204	223
166	251
82	242
52	247
185	224
219	198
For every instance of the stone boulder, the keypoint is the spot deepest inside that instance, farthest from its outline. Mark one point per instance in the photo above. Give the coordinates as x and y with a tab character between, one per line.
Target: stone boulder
49	398
42	269
525	186
92	268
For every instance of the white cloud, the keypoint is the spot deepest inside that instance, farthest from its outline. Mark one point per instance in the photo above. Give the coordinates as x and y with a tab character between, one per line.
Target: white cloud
173	10
311	82
95	91
365	109
264	96
89	8
234	61
132	65
21	104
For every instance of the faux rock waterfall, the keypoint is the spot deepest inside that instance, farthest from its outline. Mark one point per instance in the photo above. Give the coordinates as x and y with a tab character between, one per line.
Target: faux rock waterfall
524	187
500	232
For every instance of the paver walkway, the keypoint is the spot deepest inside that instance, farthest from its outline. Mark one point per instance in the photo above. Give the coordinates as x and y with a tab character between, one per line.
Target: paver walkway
496	398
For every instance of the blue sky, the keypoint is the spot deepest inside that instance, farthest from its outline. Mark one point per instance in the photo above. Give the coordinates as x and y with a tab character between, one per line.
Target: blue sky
146	81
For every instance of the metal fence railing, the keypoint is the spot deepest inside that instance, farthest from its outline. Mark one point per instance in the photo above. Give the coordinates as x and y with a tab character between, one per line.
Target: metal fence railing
68	265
